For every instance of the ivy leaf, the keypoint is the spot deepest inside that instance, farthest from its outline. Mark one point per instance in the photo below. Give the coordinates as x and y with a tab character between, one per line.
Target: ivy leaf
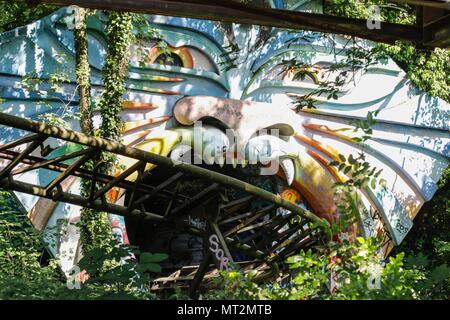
440	273
148	257
373	183
151	267
351	160
420	260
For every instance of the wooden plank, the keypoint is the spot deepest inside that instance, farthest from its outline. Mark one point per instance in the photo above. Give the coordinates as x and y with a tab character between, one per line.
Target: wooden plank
425	3
230	11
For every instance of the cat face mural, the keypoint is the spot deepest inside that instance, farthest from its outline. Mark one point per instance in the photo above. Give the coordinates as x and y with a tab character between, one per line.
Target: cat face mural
233	109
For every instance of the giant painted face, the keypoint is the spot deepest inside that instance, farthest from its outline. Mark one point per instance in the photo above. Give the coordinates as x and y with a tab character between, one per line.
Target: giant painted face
248	124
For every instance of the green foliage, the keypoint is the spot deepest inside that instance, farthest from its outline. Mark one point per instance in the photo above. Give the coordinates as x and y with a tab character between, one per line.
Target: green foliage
19	13
20	243
358	58
357	269
430	236
94	225
429	70
119	31
236	285
113	272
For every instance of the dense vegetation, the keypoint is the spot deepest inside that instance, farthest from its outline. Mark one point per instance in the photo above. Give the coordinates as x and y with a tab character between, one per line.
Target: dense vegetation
415	270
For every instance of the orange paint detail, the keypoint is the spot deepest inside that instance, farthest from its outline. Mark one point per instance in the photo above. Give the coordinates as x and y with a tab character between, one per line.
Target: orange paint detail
324	208
112	195
332	170
319	146
291	195
167	91
138	105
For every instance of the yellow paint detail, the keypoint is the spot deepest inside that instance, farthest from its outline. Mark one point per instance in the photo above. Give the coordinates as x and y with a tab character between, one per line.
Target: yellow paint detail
159	142
130	125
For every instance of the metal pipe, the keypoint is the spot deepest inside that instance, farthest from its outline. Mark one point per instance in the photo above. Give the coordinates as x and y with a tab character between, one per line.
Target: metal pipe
118	148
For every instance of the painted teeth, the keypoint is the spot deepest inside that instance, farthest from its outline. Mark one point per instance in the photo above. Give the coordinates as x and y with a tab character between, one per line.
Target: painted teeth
220	161
287	164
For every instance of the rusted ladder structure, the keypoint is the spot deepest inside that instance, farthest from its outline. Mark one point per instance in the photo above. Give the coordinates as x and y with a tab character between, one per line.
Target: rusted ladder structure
224	227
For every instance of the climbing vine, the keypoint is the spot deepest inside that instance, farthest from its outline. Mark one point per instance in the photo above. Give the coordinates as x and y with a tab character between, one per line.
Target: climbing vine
83	70
94	226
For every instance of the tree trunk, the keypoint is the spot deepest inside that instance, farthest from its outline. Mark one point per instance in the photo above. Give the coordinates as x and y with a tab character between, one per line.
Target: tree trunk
83	71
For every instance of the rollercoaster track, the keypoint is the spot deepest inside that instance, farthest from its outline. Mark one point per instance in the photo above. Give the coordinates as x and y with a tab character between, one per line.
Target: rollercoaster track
231	220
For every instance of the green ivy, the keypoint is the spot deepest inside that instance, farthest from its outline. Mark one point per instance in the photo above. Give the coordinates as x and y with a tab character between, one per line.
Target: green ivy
429	70
19	13
94	226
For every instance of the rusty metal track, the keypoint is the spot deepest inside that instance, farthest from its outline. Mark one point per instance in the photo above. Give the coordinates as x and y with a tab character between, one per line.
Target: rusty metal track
96	144
229	224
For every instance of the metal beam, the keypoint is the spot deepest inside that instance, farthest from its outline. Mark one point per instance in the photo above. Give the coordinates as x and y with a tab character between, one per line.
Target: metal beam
232	11
149	157
75	199
426	3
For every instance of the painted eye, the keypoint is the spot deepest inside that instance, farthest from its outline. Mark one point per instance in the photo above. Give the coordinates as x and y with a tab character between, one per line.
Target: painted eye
162	53
171	56
306	74
169	59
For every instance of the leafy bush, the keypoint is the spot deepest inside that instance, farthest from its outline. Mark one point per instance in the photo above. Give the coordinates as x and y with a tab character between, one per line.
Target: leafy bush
357	270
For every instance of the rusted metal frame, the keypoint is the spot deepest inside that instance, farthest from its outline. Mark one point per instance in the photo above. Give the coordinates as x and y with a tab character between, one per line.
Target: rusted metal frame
160	187
274	226
235	12
50	161
66	173
238	203
274	232
437	32
19	142
120	149
117	179
199	275
286	242
73	199
85	174
305	243
445	5
257	215
293	242
281	237
172	200
140	171
253	226
82	173
247	249
238	217
195	199
14	162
